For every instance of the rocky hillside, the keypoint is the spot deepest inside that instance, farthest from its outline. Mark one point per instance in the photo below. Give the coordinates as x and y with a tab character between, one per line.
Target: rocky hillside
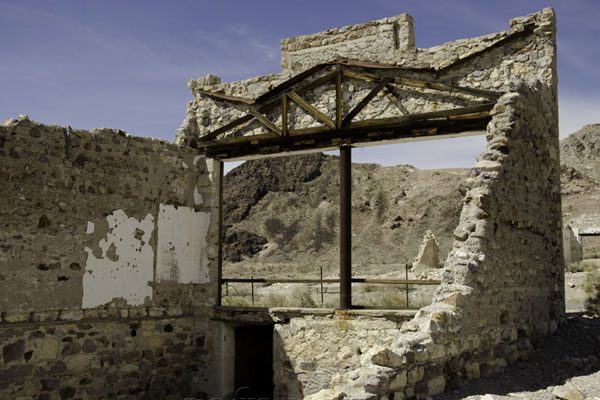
281	214
582	147
580	177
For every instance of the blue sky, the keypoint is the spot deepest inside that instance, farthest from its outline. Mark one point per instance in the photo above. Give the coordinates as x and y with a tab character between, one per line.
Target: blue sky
124	64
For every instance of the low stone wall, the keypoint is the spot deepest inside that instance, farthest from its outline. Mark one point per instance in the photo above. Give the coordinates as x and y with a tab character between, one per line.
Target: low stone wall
313	351
108	264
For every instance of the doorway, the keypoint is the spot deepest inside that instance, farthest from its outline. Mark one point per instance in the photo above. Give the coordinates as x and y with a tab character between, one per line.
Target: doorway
254	362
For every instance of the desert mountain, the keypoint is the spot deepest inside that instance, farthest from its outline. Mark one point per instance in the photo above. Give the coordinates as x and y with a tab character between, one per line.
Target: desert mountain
580	177
281	214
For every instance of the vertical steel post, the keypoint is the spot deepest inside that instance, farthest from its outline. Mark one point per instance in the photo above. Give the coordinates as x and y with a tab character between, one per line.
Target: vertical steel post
406	269
345	227
321	286
220	165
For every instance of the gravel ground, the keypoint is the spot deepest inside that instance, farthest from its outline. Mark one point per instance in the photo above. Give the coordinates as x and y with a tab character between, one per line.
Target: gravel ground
565	365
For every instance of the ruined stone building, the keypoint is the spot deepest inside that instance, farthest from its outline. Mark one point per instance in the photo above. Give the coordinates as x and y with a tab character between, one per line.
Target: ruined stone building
110	252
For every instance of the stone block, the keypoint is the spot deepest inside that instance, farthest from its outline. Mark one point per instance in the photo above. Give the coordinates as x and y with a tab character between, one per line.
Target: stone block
326	394
399	381
472	370
384	357
47	348
377	385
13	351
154	342
436	385
415	374
82	362
568	392
16	317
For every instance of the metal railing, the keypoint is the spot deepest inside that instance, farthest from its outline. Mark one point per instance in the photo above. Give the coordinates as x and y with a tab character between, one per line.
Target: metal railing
252	280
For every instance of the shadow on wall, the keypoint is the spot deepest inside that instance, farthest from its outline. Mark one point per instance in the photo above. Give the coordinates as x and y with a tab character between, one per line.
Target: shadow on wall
288	385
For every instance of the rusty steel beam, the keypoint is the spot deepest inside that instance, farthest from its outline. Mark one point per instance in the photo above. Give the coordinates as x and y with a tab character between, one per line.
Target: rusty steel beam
358	133
345	227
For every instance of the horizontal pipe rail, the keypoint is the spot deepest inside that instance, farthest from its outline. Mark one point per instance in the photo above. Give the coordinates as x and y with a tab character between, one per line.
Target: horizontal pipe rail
354	280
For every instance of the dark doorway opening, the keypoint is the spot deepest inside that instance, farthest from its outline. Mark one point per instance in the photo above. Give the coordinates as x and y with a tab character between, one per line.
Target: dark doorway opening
254	362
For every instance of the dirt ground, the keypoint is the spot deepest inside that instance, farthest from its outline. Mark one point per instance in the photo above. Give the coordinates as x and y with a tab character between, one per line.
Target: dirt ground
565	365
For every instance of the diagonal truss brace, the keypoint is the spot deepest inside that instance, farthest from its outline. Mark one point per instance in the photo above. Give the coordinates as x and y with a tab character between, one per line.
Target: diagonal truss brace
282	96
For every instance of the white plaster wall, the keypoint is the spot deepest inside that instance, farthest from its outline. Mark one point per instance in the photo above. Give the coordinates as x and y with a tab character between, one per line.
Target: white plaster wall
126	264
567	234
181	251
572	245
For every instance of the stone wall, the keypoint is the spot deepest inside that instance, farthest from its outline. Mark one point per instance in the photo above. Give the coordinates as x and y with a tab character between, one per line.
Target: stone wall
377	41
205	114
303	364
108	264
524	52
503	281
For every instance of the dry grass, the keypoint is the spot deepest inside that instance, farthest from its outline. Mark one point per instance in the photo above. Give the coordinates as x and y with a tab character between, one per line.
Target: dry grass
297	298
584	266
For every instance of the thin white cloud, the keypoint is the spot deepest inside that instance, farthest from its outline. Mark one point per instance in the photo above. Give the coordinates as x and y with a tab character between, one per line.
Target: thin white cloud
243	44
239	29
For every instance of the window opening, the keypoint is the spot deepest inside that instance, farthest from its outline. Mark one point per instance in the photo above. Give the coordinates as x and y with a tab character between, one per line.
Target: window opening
342	104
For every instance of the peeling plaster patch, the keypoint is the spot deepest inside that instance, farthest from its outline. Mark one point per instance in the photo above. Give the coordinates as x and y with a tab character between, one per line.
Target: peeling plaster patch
197	197
196	159
90	228
181	253
125	266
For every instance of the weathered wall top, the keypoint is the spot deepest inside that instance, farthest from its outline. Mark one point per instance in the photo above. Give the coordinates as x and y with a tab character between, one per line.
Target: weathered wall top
392	41
378	41
525	52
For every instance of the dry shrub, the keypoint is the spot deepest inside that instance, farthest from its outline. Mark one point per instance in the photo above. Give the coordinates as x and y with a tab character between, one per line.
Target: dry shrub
591	286
235	301
299	297
583	266
274	299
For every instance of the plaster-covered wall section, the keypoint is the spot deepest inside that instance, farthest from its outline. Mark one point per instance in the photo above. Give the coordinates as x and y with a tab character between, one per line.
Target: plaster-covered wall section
182	245
124	267
82	314
82	213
